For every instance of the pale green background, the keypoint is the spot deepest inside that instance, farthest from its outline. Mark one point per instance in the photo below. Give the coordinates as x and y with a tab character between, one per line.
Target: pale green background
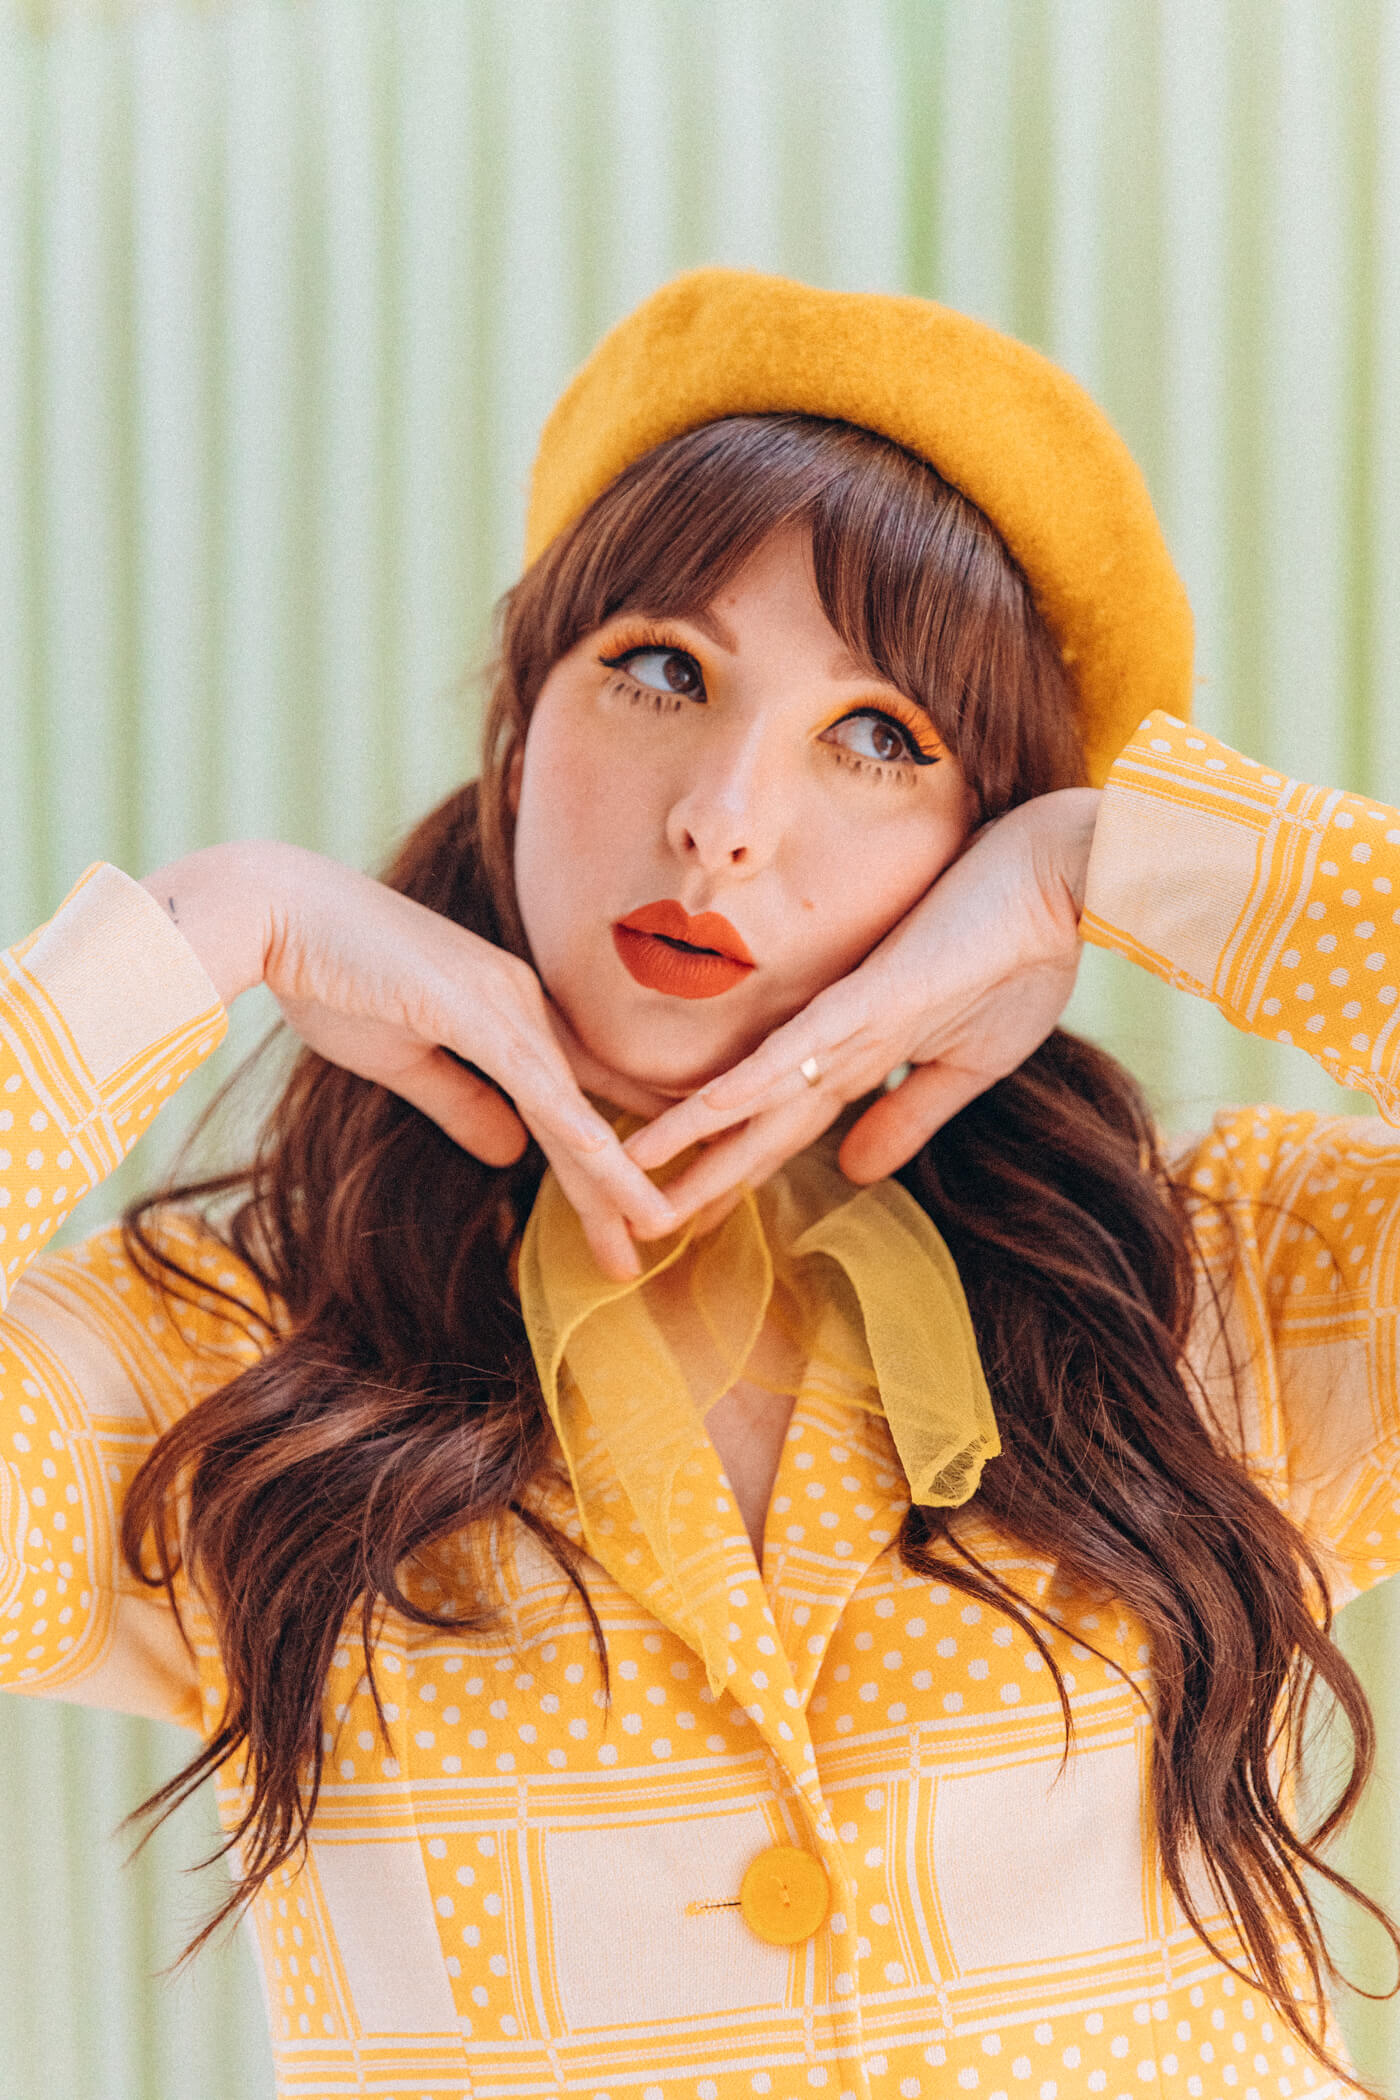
285	290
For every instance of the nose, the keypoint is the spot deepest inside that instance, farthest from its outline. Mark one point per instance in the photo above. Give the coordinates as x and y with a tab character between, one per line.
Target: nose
729	817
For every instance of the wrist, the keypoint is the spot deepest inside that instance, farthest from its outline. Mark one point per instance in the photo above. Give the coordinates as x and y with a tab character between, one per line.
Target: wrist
1065	821
220	898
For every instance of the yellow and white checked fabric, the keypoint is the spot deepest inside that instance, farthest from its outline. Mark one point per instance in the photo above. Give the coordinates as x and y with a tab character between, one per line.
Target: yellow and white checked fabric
529	1891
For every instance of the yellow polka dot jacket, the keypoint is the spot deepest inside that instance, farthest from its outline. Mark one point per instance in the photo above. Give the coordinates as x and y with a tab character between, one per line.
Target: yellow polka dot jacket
859	1867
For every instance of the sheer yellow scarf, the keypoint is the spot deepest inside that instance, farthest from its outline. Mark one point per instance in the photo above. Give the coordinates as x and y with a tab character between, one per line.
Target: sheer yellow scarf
865	1287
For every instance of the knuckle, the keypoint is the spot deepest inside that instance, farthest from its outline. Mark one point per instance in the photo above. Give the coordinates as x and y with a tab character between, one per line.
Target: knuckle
506	978
522	980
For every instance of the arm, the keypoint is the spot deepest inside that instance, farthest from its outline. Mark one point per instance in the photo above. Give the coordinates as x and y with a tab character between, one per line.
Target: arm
1265	896
1279	903
103	1013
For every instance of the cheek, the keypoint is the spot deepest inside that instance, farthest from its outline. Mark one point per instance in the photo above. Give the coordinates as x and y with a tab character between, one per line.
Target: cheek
553	801
855	888
573	814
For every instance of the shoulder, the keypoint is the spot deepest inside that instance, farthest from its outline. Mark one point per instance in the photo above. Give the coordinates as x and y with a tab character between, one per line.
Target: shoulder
159	1321
1281	1176
1296	1224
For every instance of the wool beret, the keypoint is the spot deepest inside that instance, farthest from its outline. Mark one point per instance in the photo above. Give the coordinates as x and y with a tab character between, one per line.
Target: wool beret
1011	430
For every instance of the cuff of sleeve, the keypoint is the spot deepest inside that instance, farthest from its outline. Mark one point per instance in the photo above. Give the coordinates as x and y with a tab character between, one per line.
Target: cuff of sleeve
1176	853
103	1012
1270	898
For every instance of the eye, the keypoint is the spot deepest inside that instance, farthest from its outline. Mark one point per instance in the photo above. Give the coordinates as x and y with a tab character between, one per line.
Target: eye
877	736
661	670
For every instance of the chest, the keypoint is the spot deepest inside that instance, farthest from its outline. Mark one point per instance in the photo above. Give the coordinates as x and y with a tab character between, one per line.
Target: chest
748	1427
528	1856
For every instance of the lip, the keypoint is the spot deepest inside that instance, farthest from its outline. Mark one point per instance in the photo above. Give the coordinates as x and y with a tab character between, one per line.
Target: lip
667	950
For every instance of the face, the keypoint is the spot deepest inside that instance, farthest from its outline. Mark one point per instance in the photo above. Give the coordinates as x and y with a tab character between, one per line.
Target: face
717	817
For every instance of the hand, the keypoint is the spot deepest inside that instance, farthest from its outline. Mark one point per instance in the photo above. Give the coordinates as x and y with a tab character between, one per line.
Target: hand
962	990
399	994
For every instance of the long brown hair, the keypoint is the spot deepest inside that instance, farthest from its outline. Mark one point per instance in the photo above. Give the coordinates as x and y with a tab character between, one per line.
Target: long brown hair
398	1401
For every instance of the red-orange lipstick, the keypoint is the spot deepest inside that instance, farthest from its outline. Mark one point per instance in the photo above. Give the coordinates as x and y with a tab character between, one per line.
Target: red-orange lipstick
667	950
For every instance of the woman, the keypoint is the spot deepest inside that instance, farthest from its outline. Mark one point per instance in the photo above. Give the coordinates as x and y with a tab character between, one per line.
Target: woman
823	1587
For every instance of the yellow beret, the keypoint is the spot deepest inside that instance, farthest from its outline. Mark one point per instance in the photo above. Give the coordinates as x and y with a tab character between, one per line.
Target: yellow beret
1019	438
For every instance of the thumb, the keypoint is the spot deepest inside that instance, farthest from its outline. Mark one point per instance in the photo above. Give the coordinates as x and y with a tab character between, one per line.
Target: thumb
473	1114
894	1128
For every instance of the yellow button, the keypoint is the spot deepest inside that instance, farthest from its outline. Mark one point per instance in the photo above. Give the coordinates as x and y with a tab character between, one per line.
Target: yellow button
784	1895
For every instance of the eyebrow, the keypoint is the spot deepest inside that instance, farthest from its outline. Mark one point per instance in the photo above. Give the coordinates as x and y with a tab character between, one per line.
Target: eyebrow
843	667
710	623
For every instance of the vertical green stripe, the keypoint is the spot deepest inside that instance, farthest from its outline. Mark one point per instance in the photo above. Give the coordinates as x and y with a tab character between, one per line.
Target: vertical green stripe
286	289
22	837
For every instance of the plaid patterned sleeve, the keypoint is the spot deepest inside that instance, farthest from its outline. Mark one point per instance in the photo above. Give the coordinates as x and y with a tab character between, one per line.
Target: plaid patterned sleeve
1281	904
1278	902
1297	1223
103	1013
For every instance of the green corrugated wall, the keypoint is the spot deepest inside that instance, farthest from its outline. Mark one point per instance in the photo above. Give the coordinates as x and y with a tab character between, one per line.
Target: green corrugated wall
286	287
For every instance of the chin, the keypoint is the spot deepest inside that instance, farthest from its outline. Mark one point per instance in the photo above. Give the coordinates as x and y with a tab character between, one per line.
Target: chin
668	1079
648	1080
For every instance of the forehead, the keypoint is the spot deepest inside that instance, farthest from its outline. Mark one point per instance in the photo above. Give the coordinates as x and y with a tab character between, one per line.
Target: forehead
772	596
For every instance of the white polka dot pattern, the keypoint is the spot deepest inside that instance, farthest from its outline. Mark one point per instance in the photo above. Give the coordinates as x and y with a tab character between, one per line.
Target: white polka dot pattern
995	1927
62	1127
1277	901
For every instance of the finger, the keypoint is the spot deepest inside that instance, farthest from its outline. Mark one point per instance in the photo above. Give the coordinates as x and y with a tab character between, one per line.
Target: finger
675	1130
529	1064
714	1214
573	1135
747	1159
604	1227
483	1122
613	1250
770	1078
608	1182
896	1126
515	1044
473	1114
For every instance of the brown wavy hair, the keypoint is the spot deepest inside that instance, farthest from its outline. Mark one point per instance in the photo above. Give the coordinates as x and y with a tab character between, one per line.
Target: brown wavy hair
397	1402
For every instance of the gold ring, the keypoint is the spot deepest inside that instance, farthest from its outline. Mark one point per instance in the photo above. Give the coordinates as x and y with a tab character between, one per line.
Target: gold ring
811	1071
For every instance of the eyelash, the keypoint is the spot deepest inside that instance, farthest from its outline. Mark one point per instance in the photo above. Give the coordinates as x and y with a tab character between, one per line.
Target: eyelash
645	695
892	770
630	688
